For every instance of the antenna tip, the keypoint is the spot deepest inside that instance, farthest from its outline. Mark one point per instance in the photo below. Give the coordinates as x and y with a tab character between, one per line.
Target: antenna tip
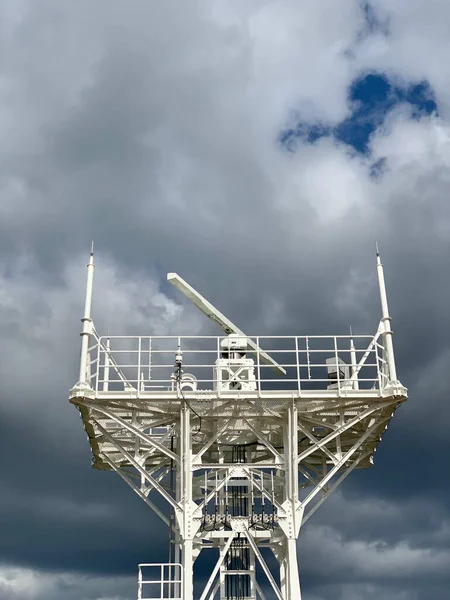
92	248
351	332
376	246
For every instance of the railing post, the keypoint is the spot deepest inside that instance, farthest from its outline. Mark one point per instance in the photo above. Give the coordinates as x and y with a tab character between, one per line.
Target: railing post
297	360
337	364
106	366
149	358
379	367
258	367
307	358
138	378
353	361
216	371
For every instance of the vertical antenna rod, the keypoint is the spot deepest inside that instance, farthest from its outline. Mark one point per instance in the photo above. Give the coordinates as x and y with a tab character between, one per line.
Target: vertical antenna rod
86	320
386	320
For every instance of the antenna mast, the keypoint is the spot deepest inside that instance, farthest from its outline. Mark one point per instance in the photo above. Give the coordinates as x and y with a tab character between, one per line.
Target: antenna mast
386	320
86	320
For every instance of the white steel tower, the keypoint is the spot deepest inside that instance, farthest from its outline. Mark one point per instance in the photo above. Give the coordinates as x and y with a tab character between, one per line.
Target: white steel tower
241	437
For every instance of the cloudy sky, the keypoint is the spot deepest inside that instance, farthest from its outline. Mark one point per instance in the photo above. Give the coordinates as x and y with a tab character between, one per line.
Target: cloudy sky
258	148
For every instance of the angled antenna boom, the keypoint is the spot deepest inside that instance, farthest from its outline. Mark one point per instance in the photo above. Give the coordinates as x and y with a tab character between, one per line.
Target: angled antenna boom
215	315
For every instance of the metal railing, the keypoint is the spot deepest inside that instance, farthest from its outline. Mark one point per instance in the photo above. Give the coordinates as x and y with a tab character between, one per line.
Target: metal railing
146	363
161	581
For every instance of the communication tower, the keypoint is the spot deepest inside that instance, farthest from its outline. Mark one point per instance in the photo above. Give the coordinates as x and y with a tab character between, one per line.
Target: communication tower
234	441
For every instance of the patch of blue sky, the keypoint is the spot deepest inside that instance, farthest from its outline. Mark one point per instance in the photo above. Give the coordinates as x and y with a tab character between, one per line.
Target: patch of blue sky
371	98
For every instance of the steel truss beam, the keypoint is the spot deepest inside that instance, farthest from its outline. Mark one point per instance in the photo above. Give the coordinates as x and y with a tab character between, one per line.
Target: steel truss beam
132	429
274	482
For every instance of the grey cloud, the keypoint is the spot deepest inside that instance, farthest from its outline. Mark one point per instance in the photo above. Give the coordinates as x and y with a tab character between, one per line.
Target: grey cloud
152	129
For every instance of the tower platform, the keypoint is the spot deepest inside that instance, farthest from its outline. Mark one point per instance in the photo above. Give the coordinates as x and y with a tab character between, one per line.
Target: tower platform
237	431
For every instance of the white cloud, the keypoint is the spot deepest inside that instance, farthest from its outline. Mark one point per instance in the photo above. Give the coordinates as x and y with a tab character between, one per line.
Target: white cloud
300	48
332	180
420	146
30	584
40	321
416	43
374	547
376	559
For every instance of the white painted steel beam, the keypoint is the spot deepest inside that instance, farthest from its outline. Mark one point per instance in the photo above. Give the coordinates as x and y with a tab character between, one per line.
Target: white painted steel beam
222	555
151	480
344	427
331	489
264	566
134	487
132	429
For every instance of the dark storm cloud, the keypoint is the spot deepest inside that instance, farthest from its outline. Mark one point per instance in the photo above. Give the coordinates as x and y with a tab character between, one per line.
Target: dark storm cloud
153	129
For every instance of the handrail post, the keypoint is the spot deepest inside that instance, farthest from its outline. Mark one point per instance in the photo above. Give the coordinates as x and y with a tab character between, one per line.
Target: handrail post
139	582
106	365
258	367
336	357
353	362
138	378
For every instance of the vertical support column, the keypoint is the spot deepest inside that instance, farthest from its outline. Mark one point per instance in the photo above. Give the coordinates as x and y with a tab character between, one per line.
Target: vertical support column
386	319
290	566
86	320
177	540
222	576
292	446
186	504
252	568
281	557
222	541
292	569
